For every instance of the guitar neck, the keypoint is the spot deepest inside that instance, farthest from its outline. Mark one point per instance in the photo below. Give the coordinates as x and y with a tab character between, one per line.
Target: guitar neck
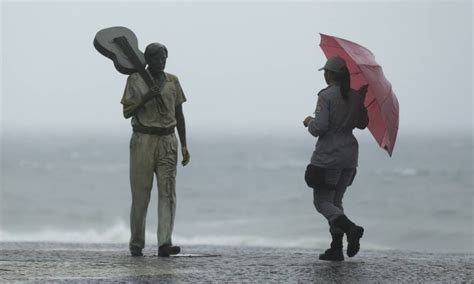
127	49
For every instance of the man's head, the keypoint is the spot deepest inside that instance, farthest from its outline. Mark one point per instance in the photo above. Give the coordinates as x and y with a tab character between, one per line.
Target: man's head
155	55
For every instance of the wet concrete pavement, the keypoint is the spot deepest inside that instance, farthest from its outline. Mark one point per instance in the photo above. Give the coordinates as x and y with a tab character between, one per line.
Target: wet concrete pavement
56	262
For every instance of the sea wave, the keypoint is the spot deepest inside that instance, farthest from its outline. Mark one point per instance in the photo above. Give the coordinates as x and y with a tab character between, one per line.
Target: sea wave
406	172
120	233
402	172
98	167
276	164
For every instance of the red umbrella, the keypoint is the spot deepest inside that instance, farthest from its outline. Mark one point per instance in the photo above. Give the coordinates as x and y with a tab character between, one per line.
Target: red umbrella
380	101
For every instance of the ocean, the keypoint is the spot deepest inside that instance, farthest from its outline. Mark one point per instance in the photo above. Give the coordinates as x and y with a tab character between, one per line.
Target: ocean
239	190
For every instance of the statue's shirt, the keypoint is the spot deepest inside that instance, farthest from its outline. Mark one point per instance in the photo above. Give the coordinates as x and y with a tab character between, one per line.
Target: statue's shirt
151	114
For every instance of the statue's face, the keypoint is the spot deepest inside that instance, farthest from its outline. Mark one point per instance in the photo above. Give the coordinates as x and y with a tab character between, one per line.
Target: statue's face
156	55
157	60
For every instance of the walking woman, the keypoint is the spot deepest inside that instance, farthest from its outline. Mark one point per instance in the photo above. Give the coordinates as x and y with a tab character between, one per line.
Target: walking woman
333	164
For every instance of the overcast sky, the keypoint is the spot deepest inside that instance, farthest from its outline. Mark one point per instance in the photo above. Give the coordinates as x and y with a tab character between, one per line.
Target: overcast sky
243	66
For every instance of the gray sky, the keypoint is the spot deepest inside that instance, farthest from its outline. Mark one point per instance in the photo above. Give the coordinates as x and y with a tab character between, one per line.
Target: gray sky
244	67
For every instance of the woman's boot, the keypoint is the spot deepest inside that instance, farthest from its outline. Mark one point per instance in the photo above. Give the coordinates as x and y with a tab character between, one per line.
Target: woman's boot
335	252
353	232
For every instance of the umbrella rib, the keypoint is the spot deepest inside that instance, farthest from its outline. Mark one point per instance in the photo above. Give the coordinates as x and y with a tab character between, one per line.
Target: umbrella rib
371	102
380	102
369	65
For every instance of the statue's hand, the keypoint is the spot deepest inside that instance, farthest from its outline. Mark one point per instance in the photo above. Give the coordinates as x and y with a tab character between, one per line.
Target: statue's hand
186	155
155	90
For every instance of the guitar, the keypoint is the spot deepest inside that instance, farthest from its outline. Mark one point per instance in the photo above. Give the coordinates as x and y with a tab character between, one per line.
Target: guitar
120	45
110	42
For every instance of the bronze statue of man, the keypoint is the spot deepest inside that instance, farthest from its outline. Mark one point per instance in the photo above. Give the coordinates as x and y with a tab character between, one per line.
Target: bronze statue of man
153	147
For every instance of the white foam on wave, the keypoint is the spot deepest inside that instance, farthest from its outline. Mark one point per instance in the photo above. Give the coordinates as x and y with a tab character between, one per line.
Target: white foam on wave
406	172
258	241
276	165
117	233
120	233
111	167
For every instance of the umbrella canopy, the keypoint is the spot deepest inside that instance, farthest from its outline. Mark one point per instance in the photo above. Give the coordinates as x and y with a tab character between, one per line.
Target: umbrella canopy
380	101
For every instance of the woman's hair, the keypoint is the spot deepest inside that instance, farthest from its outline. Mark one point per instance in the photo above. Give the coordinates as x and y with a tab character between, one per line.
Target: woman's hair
344	79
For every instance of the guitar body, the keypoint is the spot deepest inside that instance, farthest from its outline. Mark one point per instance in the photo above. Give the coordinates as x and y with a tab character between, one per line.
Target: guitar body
105	42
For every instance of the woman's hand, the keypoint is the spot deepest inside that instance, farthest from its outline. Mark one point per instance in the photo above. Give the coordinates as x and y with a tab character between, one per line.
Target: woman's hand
307	120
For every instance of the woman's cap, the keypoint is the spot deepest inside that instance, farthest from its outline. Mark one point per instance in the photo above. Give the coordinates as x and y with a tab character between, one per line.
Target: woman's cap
334	64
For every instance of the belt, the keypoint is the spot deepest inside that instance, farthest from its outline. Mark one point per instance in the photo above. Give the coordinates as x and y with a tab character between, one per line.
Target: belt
160	131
